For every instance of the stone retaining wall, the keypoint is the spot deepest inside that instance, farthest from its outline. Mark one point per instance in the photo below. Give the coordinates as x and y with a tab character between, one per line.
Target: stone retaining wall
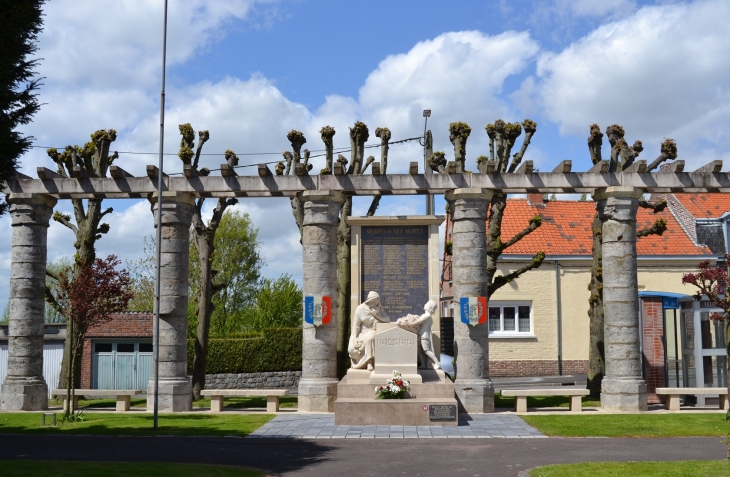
270	380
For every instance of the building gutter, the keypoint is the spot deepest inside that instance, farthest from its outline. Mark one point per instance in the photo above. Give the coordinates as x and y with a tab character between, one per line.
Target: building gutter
583	258
560	318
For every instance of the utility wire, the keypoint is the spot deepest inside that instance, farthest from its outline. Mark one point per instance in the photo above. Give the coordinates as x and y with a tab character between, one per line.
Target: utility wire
336	150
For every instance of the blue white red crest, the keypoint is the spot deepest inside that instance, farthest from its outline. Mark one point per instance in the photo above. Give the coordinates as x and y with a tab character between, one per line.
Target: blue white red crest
473	310
317	309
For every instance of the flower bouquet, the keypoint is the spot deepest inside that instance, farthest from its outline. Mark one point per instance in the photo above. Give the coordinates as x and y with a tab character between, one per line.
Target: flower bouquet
394	388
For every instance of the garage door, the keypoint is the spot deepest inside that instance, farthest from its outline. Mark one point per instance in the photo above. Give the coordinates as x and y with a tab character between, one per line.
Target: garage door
121	365
52	356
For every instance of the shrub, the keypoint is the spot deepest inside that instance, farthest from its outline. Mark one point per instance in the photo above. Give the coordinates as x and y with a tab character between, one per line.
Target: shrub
276	349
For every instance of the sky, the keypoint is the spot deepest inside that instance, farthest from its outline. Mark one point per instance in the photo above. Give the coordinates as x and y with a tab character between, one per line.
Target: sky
249	71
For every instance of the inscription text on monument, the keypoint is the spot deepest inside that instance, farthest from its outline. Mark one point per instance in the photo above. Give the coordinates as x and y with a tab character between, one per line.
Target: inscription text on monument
395	264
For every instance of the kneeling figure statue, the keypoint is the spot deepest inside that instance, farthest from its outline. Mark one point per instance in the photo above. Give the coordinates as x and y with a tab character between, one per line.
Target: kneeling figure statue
361	347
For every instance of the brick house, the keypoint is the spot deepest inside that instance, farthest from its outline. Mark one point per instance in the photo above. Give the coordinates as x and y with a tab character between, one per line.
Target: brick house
118	354
539	322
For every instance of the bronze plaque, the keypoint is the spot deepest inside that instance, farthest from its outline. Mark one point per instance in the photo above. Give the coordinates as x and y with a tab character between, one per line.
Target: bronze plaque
442	412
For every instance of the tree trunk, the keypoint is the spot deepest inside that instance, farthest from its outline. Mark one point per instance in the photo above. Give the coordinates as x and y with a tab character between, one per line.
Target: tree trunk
596	357
494	237
204	244
343	289
87	224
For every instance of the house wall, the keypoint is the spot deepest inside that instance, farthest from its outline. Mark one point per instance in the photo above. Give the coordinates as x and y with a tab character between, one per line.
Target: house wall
538	356
126	325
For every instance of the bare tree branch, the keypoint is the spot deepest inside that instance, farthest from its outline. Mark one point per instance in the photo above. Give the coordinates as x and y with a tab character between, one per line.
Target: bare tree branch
657	228
655	207
595	141
502	280
530	127
668	152
535	222
65	219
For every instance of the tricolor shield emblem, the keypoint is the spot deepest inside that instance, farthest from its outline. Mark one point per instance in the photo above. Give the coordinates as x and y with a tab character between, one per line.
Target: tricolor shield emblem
473	310
317	309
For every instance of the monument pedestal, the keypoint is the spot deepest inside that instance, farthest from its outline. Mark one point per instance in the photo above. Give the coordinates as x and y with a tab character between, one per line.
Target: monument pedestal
430	402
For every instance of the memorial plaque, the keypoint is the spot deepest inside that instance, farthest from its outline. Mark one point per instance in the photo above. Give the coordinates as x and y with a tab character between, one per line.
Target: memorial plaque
442	412
394	261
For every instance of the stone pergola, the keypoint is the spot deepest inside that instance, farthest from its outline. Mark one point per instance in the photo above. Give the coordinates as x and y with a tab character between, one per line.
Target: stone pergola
616	195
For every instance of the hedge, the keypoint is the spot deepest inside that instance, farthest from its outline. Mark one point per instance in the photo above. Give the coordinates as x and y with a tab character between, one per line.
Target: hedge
278	349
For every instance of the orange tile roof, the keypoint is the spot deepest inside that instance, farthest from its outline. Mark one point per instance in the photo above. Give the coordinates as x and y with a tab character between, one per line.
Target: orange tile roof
705	206
566	230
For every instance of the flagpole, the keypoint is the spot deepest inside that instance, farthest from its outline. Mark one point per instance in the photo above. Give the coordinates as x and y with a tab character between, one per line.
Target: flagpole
158	241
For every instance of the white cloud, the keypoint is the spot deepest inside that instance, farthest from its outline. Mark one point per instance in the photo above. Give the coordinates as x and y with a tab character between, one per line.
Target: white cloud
114	44
665	71
458	75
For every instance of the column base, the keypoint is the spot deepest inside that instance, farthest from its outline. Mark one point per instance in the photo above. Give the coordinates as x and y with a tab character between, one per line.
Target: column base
474	395
174	395
24	395
623	394
317	394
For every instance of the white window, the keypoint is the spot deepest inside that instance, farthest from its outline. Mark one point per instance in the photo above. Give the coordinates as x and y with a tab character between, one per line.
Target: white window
512	318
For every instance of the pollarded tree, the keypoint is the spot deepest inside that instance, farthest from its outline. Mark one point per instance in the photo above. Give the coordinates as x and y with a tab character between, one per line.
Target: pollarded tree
203	235
502	138
622	156
87	297
22	22
91	160
359	134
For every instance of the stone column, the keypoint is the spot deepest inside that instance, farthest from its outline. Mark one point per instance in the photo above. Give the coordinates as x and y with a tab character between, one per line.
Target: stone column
474	389
24	388
318	385
175	389
622	388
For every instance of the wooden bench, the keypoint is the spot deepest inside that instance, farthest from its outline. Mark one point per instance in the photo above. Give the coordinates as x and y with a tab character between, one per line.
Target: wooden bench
520	396
672	400
217	395
123	396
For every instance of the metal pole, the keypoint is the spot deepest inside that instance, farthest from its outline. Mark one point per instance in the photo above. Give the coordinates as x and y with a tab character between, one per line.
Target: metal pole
158	253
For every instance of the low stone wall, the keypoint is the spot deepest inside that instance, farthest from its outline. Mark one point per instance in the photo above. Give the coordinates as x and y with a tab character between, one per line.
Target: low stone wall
269	380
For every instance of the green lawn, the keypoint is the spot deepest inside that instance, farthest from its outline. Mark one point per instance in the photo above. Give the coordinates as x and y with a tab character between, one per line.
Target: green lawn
687	468
631	425
120	469
203	424
545	401
233	402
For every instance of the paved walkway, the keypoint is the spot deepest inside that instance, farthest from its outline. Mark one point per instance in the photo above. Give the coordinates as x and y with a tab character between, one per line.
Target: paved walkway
322	426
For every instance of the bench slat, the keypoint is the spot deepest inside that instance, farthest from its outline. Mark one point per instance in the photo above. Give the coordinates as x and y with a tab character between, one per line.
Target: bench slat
98	392
244	392
702	391
546	392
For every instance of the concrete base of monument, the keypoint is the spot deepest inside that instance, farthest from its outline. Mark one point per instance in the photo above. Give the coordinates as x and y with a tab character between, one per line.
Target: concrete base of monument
431	402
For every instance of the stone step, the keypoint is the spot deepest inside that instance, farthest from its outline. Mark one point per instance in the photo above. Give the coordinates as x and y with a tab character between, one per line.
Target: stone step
396	412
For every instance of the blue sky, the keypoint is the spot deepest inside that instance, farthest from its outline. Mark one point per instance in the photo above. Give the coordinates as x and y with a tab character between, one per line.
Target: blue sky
249	71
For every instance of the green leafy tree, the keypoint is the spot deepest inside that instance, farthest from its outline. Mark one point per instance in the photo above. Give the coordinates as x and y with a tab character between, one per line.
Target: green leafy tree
142	278
21	24
277	304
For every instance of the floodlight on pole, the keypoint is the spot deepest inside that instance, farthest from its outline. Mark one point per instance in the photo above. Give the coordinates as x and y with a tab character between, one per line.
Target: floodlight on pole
426	135
158	239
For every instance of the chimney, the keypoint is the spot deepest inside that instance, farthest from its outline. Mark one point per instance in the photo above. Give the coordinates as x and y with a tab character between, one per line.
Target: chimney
536	200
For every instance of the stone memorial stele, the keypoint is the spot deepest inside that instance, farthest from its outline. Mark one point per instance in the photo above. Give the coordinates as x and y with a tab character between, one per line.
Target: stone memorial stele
395	350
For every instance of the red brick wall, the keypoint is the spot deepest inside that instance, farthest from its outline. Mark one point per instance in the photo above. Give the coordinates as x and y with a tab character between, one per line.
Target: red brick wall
514	369
123	325
653	324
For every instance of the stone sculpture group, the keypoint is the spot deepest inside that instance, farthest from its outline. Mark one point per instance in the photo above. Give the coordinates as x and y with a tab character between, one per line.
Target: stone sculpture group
361	347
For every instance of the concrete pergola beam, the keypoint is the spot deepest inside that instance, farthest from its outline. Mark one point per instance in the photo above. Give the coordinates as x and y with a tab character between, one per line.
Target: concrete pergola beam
264	185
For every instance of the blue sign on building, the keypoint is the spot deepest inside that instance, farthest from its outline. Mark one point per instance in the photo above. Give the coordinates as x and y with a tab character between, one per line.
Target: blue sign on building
670	302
